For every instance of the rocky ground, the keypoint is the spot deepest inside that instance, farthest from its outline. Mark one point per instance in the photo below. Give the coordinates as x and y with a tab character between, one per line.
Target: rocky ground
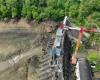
16	39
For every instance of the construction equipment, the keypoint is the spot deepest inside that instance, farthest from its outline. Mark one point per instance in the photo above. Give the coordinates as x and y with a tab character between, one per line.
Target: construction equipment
62	55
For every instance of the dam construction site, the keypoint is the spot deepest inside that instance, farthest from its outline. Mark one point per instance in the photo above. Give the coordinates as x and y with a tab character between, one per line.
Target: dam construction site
47	51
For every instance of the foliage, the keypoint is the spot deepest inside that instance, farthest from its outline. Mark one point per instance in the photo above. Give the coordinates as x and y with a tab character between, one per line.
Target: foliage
79	10
94	58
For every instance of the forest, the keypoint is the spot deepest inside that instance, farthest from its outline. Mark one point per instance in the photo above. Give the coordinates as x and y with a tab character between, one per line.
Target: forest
82	12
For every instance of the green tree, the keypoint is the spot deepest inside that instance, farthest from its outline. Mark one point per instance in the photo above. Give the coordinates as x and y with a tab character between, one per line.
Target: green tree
14	9
73	11
27	9
34	12
3	9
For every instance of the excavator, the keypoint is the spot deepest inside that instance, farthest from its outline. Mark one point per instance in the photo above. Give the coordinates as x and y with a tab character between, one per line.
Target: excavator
64	63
